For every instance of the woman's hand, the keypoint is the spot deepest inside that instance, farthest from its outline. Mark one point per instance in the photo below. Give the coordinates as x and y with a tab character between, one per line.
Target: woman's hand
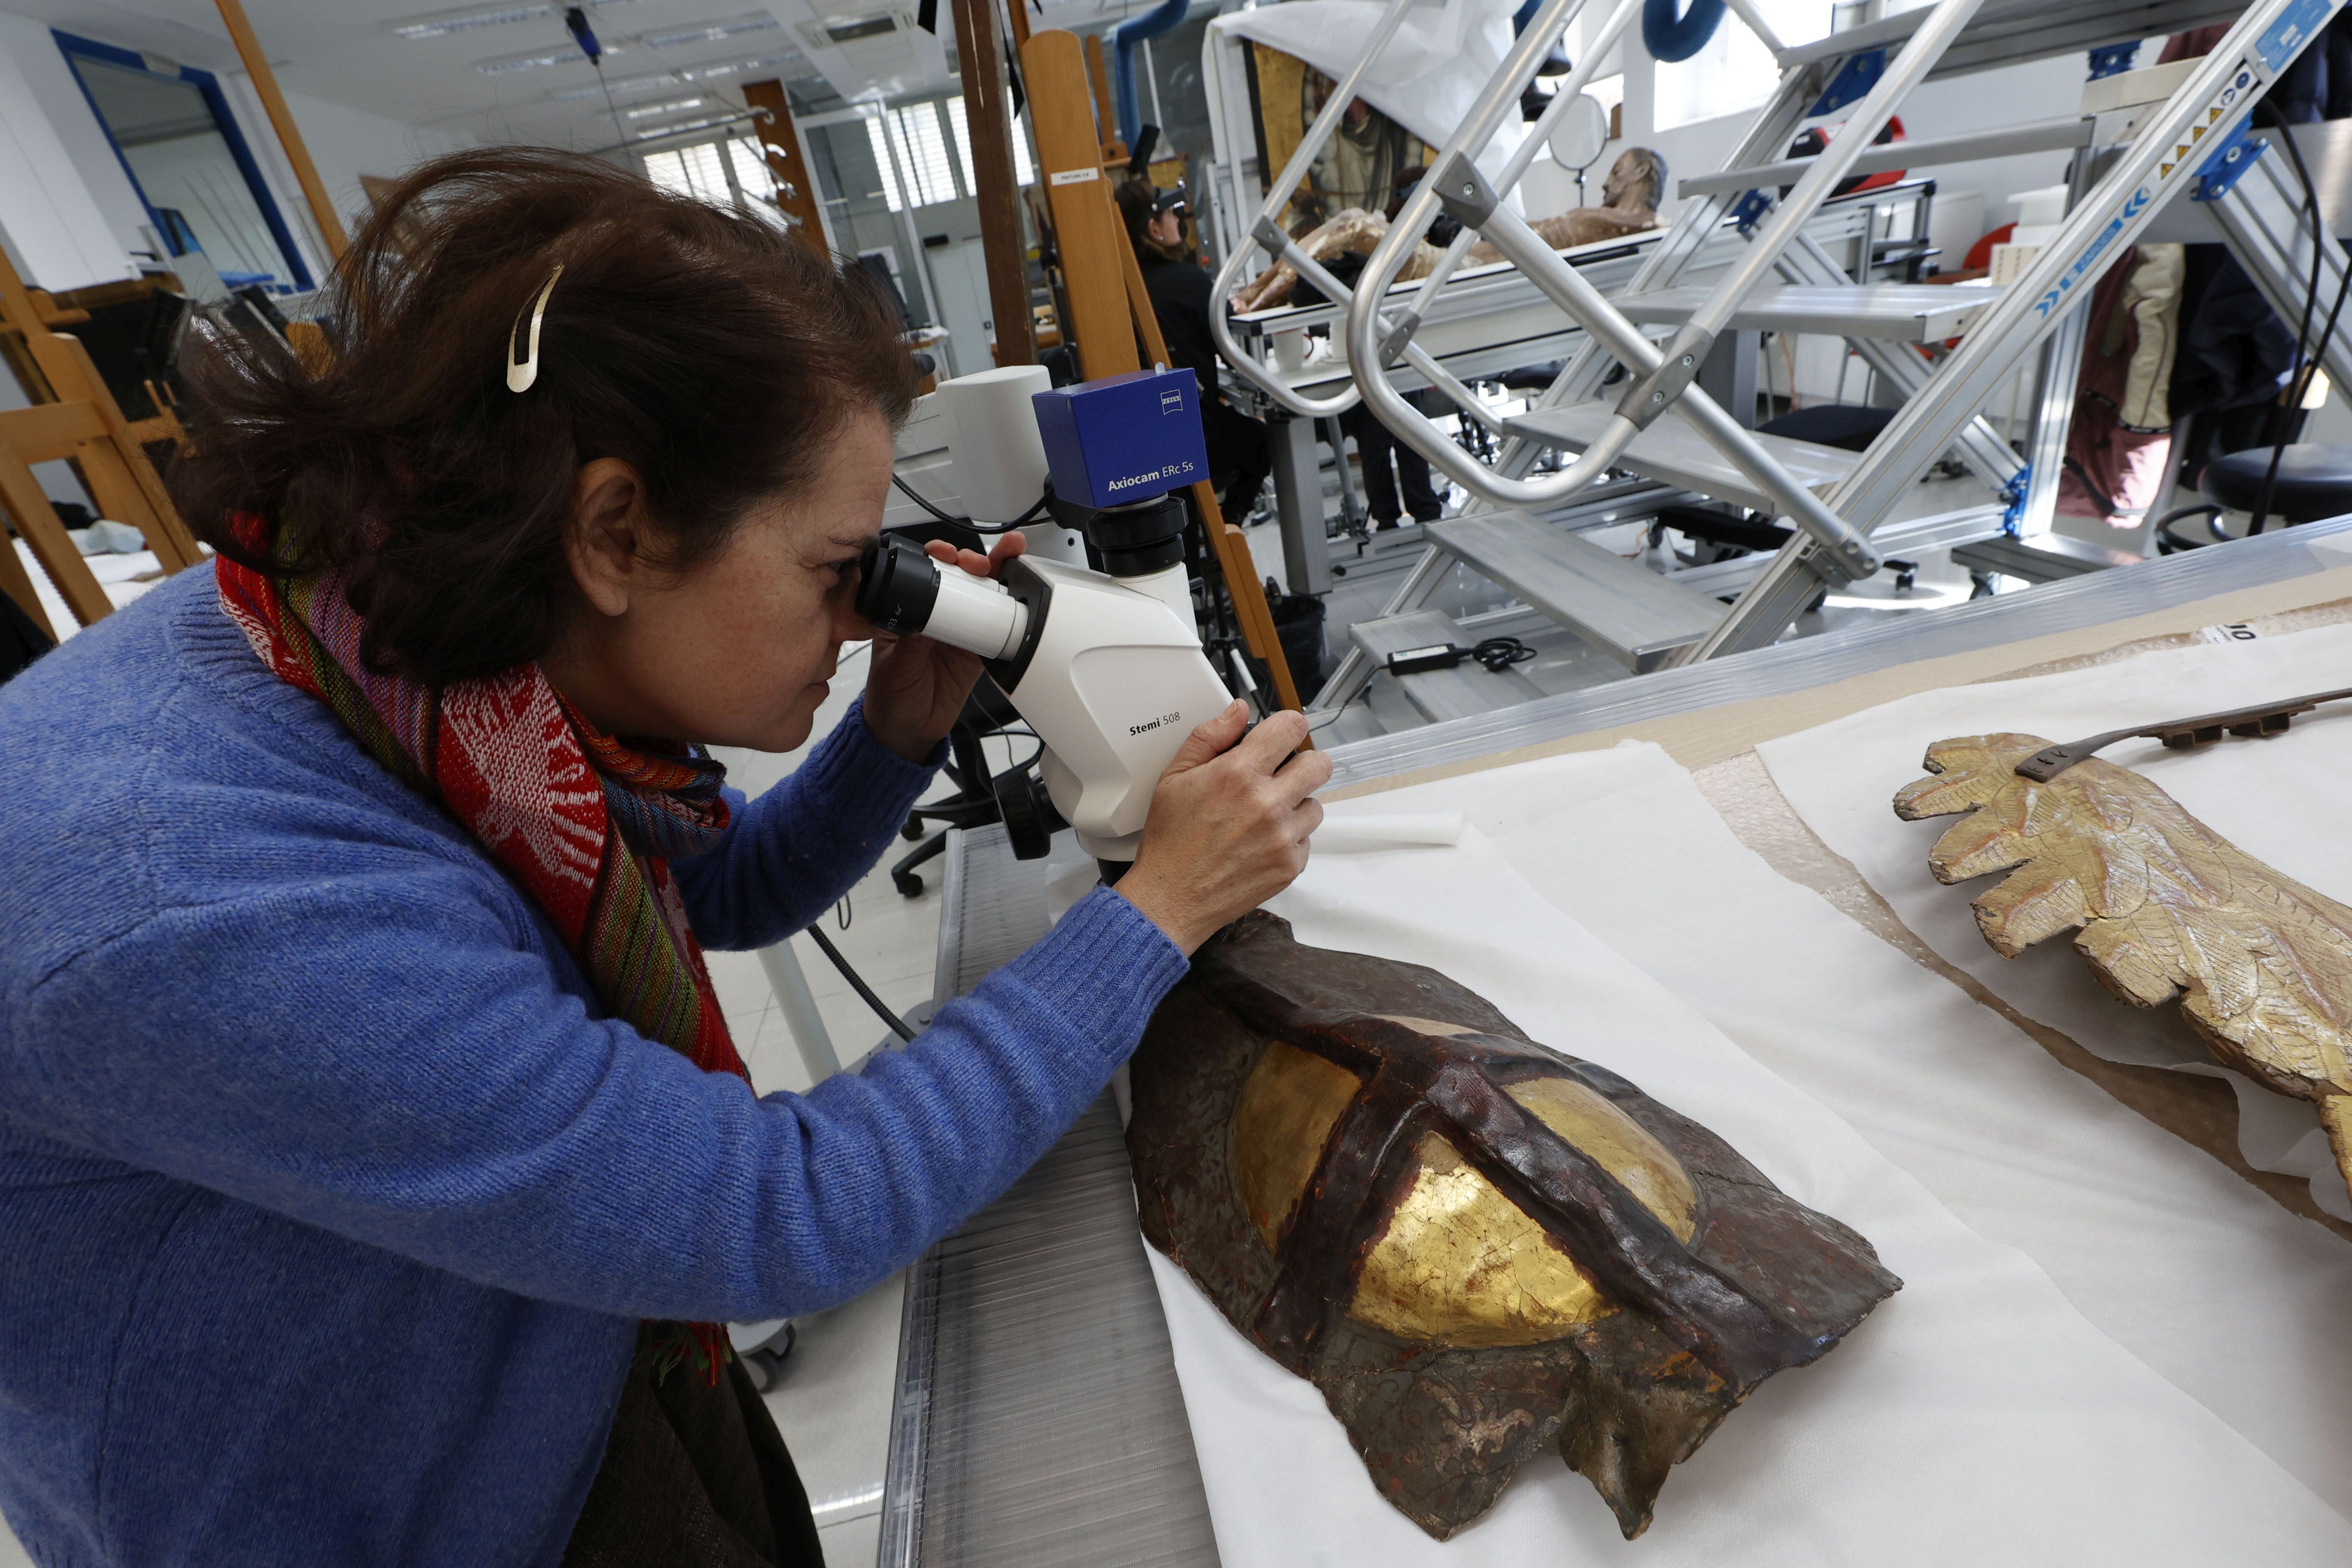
916	687
1229	824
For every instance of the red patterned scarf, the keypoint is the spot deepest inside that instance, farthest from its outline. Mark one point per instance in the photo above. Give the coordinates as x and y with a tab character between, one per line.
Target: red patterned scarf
583	822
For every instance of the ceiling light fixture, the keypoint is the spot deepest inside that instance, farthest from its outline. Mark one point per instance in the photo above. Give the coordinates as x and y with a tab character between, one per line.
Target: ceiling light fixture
734	67
441	24
849	29
563	53
705	124
625	84
673	107
709	32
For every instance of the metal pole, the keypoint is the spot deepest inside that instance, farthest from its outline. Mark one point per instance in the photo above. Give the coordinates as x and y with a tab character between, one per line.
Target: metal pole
898	166
797	1002
2220	92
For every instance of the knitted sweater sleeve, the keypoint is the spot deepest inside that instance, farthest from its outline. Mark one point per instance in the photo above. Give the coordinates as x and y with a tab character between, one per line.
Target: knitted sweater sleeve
382	1057
795	850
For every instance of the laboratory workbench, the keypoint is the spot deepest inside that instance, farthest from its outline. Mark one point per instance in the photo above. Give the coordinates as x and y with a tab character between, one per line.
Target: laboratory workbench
1038	1420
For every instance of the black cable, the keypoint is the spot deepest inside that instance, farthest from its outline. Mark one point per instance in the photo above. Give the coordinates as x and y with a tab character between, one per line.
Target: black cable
1025	518
1499	654
2297	377
857	983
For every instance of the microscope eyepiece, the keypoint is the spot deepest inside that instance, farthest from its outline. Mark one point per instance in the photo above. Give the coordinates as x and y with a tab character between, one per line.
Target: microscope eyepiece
898	585
903	591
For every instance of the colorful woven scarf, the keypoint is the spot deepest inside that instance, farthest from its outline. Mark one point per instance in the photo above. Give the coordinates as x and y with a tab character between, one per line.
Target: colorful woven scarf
583	822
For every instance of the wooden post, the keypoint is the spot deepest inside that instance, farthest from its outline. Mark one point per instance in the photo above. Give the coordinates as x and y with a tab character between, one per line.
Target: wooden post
1114	151
786	162
1018	11
988	115
1087	230
289	135
1231	544
28	507
1107	298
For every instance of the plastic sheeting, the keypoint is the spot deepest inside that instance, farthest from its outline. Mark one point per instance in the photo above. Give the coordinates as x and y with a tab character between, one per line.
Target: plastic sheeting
1427	78
2282	801
1976	1416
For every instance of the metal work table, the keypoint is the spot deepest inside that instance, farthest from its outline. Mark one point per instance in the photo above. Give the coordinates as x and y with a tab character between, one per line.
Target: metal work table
1038	1420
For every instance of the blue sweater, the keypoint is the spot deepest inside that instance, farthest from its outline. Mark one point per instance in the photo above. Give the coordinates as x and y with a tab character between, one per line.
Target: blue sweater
329	1199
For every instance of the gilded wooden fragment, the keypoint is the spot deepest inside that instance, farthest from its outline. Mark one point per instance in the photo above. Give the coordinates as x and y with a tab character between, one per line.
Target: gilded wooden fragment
2164	906
1479	1249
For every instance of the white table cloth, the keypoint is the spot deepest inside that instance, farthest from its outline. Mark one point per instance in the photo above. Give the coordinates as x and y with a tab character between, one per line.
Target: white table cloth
1978	1417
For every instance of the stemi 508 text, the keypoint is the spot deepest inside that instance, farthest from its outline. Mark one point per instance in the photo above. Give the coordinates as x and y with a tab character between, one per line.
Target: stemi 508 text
1151	724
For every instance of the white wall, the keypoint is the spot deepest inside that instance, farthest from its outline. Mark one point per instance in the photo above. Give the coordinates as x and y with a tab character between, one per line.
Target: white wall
344	143
65	199
63	227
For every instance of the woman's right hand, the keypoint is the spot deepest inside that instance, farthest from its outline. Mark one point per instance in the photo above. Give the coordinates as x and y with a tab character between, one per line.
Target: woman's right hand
1229	824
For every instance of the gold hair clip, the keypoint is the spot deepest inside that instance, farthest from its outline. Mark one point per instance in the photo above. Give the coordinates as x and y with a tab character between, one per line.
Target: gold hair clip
521	373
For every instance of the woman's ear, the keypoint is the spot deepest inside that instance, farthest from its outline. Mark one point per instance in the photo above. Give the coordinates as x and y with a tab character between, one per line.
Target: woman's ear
605	543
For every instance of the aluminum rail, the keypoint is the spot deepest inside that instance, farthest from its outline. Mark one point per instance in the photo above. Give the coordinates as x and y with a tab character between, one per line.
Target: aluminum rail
1395	335
1277	197
1268	233
1803	664
2011	32
1662	380
2036	136
2058	280
1821	178
1846	547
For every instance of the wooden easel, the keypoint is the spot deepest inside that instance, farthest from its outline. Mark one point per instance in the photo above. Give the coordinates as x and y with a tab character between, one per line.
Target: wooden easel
75	418
281	120
1107	304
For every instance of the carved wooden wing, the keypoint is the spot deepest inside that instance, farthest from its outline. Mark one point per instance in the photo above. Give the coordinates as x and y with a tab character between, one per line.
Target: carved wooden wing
1479	1249
2165	907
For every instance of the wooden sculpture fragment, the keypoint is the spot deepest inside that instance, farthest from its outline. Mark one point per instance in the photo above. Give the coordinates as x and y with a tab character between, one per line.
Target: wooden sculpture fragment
2164	906
1479	1249
1629	205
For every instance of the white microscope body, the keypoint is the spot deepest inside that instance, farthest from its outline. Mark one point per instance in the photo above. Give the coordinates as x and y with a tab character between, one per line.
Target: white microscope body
1107	669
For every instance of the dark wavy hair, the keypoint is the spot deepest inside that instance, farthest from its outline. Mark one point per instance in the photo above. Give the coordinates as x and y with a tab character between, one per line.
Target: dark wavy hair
715	353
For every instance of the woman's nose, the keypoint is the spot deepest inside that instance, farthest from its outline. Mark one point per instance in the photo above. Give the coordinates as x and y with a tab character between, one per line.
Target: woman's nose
848	626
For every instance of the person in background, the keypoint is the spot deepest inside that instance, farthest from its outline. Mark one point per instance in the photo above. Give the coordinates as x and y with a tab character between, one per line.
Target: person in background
1360	162
1241	451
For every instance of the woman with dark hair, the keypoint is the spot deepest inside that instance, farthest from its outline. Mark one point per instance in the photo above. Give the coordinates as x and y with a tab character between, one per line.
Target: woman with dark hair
376	1169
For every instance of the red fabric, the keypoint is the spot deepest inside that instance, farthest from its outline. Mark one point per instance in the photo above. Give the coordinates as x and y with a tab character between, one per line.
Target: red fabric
582	822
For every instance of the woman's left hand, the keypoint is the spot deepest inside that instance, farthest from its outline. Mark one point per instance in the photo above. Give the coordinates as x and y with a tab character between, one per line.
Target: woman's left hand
917	688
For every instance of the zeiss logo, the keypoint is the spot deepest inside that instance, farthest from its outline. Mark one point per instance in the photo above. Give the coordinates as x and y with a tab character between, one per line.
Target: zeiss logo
1172	401
1151	475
